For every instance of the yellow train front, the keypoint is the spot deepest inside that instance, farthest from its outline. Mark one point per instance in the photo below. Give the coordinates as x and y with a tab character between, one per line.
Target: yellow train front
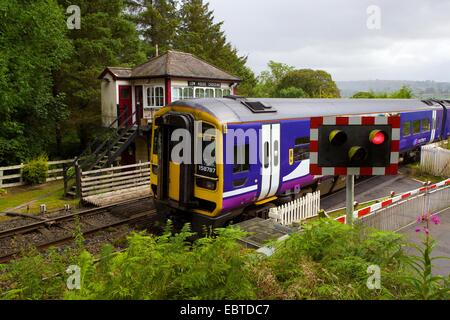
182	186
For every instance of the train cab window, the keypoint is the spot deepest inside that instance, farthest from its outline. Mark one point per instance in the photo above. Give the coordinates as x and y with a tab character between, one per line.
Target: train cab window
406	129
156	141
301	149
241	158
416	126
425	125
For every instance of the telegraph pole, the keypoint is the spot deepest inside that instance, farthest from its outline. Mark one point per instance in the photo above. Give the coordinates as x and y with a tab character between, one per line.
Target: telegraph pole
350	198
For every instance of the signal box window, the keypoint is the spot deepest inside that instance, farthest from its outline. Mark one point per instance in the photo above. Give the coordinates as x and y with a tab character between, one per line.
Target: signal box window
416	126
425	125
406	129
301	149
241	158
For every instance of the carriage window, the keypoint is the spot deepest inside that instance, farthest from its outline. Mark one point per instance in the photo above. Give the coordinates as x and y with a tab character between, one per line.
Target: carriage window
416	126
266	154
425	125
226	92
219	93
241	158
406	129
301	149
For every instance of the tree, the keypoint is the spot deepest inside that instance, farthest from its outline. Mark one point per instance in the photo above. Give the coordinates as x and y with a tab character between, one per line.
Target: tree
157	22
315	83
291	92
269	80
403	93
200	35
33	45
106	38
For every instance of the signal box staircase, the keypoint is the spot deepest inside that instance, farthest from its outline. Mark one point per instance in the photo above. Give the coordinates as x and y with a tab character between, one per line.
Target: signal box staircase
103	151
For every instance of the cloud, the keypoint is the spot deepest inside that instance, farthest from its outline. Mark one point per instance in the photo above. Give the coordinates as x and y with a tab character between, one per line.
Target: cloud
413	42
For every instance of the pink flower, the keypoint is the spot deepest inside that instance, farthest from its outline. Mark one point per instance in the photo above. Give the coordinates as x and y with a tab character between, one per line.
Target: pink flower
435	219
427	232
417	229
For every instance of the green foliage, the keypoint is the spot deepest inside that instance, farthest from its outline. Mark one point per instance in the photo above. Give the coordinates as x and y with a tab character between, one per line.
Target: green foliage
315	83
157	22
269	80
106	38
200	35
36	170
328	260
403	93
3	192
168	267
33	44
291	92
427	286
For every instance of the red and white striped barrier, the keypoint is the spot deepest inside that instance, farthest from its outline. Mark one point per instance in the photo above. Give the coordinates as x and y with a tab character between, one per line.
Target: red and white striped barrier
377	206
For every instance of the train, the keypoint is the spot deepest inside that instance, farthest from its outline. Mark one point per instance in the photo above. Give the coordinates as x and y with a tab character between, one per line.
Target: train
214	160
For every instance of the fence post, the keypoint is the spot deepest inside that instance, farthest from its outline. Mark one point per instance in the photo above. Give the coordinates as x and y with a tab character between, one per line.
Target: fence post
21	173
78	180
65	178
1	178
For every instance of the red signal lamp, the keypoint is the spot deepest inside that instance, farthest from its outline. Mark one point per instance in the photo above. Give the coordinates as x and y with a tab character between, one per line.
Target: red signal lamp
377	137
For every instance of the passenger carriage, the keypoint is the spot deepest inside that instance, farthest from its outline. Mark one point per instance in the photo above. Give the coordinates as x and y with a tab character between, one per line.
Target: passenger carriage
215	193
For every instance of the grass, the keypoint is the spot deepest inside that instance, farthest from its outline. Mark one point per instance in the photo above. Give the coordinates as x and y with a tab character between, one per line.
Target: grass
50	193
337	213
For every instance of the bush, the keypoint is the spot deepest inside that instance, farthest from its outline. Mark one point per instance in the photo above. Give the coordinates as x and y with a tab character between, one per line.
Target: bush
36	170
3	192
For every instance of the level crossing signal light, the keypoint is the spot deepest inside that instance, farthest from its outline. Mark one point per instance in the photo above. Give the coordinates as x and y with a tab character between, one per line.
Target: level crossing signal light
362	145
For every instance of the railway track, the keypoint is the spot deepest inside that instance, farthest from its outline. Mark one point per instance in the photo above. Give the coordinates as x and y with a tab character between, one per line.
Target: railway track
57	230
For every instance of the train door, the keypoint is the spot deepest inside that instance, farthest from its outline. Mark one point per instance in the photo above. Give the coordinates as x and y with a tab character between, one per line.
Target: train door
270	160
175	174
433	125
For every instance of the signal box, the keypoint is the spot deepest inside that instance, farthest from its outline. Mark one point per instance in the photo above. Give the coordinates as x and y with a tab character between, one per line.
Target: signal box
363	145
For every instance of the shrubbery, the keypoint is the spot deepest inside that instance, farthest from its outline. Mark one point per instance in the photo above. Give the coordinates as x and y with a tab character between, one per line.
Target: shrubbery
326	261
36	170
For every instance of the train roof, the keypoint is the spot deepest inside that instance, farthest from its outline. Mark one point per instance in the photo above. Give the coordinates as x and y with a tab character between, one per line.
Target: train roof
235	109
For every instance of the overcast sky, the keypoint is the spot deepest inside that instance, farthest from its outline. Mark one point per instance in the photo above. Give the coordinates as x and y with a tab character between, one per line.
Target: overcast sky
412	43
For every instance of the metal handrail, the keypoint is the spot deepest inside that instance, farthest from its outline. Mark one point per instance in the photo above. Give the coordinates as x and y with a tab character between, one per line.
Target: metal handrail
118	120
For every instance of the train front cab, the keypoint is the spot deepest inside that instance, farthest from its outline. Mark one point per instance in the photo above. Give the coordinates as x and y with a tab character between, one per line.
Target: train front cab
188	188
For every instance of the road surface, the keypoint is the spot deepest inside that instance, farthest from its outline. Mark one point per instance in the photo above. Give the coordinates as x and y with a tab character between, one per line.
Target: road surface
370	189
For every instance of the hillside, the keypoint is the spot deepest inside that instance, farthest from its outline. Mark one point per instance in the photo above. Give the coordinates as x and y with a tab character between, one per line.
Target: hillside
421	89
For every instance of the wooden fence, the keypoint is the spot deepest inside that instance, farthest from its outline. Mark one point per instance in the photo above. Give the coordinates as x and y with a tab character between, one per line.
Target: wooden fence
114	178
297	210
435	160
11	176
